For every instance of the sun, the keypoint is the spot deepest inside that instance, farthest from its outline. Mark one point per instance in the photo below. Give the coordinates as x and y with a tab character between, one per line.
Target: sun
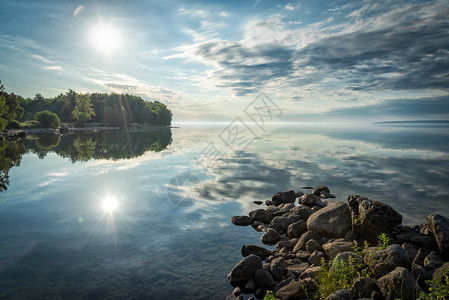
110	204
105	38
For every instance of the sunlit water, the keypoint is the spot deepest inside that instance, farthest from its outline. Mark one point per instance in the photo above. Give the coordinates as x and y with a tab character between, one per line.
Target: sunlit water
146	216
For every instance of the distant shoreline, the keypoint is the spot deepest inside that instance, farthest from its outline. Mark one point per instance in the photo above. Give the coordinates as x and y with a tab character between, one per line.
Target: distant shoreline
413	122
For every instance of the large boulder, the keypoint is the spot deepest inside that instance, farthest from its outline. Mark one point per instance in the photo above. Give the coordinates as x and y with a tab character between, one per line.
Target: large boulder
439	226
270	237
261	215
398	284
371	218
254	249
244	270
333	221
293	290
284	197
241	220
388	259
281	223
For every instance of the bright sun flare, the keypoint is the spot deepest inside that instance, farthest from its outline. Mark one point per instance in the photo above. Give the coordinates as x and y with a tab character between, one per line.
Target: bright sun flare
105	38
110	204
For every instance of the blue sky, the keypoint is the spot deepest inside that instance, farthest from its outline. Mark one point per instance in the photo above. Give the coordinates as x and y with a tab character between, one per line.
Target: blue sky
207	60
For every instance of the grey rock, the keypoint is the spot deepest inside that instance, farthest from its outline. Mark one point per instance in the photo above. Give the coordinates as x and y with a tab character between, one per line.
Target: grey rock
363	287
326	195
241	220
342	294
347	258
315	258
313	245
297	269
281	284
310	272
320	189
269	202
284	197
283	244
398	283
286	207
270	237
293	290
388	259
371	218
433	261
261	215
303	211
308	199
305	255
277	268
417	238
439	226
254	249
309	235
244	270
281	223
296	229
264	279
333	248
333	220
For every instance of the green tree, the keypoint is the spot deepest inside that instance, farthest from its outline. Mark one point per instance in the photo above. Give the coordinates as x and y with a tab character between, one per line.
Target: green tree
83	111
10	108
47	119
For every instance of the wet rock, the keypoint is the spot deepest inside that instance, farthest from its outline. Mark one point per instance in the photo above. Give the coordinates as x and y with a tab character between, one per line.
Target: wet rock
308	199
241	220
261	215
293	290
270	237
281	223
309	235
303	211
333	221
342	294
371	218
256	250
313	245
277	268
389	259
264	279
258	202
284	197
433	261
244	270
333	248
363	287
439	226
296	229
315	258
398	283
320	189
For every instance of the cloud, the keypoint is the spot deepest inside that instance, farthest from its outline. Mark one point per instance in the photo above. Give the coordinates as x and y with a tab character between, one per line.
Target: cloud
52	68
78	10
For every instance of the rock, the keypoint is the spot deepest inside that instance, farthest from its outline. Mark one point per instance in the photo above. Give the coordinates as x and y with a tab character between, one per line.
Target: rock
439	226
342	294
281	223
269	202
293	290
319	189
241	220
297	269
313	245
303	211
277	268
250	286
237	291
244	270
417	238
284	197
296	229
286	207
256	250
305	255
333	248
411	250
433	261
388	259
270	237
347	258
308	199
259	226
333	221
284	244
281	284
322	203
438	276
326	195
261	215
398	283
258	202
310	272
371	218
363	287
309	235
315	258
307	188
260	293
298	194
264	279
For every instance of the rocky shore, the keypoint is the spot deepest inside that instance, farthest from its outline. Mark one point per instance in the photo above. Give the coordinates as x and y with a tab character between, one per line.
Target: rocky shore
362	243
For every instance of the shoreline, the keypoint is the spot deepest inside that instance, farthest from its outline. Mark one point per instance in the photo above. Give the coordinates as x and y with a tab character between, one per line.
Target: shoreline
316	238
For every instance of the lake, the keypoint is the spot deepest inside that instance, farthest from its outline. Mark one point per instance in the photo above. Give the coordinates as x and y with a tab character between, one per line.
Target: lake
145	215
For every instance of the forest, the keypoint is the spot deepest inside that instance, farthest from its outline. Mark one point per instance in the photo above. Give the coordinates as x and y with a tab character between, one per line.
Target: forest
80	108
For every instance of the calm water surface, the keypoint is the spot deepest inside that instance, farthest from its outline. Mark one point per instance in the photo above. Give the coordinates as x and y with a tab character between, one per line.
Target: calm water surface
117	215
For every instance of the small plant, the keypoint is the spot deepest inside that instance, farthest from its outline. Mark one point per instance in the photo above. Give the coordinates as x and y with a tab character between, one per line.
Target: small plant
384	240
438	290
269	296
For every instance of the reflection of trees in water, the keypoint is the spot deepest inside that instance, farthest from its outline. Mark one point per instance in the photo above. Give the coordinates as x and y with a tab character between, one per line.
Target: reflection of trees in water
10	155
113	145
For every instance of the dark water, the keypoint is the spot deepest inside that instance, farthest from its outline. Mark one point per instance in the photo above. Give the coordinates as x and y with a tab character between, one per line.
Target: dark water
117	215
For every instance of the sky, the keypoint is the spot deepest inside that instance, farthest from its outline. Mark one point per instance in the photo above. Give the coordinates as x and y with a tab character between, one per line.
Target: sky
212	60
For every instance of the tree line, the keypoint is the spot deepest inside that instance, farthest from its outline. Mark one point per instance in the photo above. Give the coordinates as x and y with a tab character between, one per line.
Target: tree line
103	108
